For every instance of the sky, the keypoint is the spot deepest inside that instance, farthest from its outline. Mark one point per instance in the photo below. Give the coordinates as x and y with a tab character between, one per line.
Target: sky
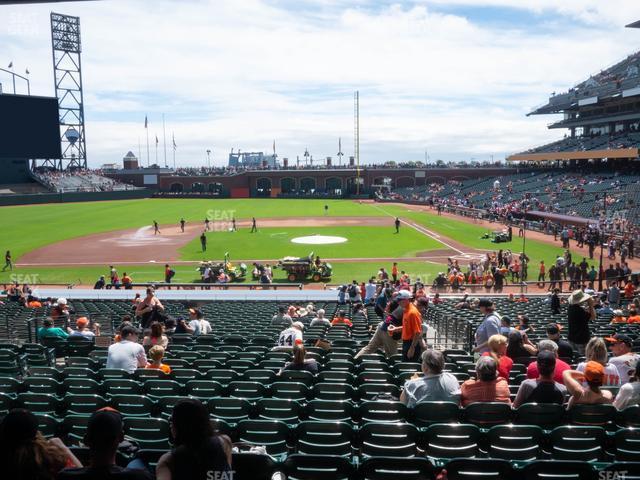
437	79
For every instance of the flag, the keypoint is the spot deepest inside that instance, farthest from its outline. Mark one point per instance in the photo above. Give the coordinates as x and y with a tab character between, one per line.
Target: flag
274	147
156	139
145	121
10	65
27	71
174	141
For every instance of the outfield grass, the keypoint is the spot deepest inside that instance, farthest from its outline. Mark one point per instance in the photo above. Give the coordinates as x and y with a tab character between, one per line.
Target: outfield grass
275	242
25	228
87	275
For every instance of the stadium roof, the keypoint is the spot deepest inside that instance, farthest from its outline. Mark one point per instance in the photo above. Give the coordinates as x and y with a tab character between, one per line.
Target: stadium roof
618	81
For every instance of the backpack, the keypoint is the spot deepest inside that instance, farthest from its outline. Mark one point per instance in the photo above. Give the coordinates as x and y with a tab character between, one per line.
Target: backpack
172	272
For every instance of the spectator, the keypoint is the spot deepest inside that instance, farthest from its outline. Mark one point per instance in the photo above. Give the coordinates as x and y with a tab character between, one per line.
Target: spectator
591	394
505	326
623	358
341	319
565	350
104	434
198	452
370	292
61	310
82	329
487	387
290	336
127	281
560	366
192	326
412	342
490	326
524	326
596	351
100	284
543	388
614	294
387	333
156	336
299	361
320	319
26	454
127	354
49	331
618	317
580	312
520	346
281	319
629	393
434	386
498	351
156	354
149	309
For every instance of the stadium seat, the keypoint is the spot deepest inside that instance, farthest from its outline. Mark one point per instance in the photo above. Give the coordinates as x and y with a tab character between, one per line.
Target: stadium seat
252	466
545	415
428	413
629	417
325	438
592	415
284	410
148	432
388	439
331	410
521	443
627	445
82	404
47	425
317	467
448	440
552	469
231	410
39	402
630	470
391	468
577	443
289	390
203	389
484	468
156	389
74	428
273	435
487	414
382	411
372	391
247	390
333	391
120	386
133	405
41	385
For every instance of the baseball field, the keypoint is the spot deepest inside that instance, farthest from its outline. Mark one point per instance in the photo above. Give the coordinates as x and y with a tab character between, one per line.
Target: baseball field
74	243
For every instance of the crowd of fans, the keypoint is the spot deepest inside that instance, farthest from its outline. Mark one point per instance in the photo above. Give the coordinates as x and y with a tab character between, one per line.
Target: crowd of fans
79	181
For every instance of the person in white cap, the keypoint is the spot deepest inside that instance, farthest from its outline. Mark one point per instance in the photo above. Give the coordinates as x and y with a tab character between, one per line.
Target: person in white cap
290	336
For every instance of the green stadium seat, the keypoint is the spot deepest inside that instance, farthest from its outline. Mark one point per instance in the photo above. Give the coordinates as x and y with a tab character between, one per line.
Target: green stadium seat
429	413
317	467
584	444
203	389
627	445
487	414
325	438
388	439
382	411
391	468
148	432
284	410
552	469
272	434
83	404
331	410
520	443
449	440
484	468
231	410
133	405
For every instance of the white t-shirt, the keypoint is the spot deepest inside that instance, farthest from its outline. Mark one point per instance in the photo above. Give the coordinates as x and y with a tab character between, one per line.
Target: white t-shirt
195	324
126	355
205	327
289	337
611	375
628	395
625	363
370	290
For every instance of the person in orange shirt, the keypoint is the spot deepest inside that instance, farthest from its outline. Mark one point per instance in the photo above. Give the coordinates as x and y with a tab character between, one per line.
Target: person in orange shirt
156	354
341	319
126	281
487	387
394	271
628	290
633	317
618	317
412	342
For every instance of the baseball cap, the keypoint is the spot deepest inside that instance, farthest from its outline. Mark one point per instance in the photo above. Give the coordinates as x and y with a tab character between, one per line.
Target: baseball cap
620	337
299	325
546	357
62	301
485	302
594	372
404	295
82	322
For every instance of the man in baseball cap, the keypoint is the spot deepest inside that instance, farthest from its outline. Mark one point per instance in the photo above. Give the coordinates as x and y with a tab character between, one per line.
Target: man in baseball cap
624	359
412	342
490	325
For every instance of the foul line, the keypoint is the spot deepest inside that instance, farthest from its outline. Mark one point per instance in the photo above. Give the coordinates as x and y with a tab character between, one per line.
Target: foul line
424	231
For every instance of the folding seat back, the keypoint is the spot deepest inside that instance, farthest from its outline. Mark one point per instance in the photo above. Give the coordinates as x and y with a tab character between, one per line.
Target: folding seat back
577	443
330	410
325	438
447	440
627	445
485	468
382	411
428	413
273	435
554	469
317	467
514	442
487	414
545	415
231	410
283	410
388	439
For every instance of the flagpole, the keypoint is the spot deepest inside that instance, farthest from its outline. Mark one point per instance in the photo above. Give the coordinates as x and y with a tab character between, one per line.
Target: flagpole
174	149
156	150
146	127
164	141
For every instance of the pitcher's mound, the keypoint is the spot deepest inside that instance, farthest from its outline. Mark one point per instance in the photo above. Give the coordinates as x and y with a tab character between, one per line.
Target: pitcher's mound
318	240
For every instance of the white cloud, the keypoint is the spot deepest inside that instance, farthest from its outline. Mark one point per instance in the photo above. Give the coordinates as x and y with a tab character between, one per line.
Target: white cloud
239	74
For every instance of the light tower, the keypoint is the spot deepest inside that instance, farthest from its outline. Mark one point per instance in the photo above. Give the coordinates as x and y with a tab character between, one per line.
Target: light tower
66	47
